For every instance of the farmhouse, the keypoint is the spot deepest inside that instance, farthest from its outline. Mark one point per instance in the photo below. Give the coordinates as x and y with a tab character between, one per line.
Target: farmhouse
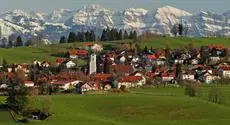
167	77
224	71
29	83
73	54
131	81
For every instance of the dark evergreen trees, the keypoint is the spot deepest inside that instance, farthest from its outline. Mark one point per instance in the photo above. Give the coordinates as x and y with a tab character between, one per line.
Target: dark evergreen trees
63	39
175	29
18	41
126	35
180	29
10	44
72	37
120	35
106	65
104	36
135	35
92	36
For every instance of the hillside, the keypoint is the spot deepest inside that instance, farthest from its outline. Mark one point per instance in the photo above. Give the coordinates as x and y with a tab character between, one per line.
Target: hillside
45	52
163	106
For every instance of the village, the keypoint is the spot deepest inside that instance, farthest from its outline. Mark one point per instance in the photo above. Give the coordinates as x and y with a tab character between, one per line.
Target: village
124	68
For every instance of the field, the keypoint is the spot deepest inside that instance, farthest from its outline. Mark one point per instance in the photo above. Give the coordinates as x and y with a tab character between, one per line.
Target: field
163	106
47	52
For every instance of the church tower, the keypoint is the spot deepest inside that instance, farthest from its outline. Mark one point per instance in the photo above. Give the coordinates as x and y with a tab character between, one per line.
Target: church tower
93	64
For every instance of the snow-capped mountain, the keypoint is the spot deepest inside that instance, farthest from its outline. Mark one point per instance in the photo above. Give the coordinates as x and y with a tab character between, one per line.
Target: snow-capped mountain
92	16
208	24
60	15
95	17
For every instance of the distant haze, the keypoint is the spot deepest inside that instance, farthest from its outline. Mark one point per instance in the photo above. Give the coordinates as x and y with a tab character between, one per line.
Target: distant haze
193	6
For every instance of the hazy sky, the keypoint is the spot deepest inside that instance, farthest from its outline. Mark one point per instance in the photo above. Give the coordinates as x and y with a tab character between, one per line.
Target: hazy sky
192	6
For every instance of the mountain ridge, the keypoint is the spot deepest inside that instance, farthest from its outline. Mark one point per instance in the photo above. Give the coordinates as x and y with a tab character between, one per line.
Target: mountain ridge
95	17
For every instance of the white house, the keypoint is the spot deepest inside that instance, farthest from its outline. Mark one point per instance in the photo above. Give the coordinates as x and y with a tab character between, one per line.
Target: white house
215	59
194	62
208	78
29	83
179	61
131	81
188	77
70	64
167	77
225	72
107	87
86	87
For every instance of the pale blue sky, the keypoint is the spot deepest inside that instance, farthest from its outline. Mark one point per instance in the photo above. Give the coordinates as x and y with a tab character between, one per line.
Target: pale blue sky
192	6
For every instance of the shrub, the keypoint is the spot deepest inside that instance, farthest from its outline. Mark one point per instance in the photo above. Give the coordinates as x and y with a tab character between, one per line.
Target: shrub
191	89
216	96
124	89
47	106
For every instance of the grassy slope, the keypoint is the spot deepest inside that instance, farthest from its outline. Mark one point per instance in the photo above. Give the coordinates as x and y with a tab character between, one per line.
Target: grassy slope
165	106
176	42
28	54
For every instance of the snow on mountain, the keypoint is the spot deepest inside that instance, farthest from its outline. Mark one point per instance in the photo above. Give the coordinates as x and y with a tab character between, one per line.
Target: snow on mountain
132	18
60	15
92	16
95	17
208	24
168	16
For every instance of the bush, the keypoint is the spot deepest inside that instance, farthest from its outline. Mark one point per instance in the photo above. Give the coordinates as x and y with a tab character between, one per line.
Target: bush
191	89
216	96
124	89
47	106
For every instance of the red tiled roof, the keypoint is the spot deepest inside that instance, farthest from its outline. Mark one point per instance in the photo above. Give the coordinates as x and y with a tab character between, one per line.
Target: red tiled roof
149	74
217	47
121	68
28	82
165	74
225	68
99	77
130	79
78	52
60	60
153	56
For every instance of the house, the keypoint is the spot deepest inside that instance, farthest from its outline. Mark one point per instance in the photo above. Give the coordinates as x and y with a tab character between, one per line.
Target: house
214	58
168	77
70	64
45	64
59	61
208	77
85	87
102	77
161	61
36	62
120	68
29	83
189	75
224	71
97	47
62	84
77	53
107	87
131	81
194	62
151	57
178	61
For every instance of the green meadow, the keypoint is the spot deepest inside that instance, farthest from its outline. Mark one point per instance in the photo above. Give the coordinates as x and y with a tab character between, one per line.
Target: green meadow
149	106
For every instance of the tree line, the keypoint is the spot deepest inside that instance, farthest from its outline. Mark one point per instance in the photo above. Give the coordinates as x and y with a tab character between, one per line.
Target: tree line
106	35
